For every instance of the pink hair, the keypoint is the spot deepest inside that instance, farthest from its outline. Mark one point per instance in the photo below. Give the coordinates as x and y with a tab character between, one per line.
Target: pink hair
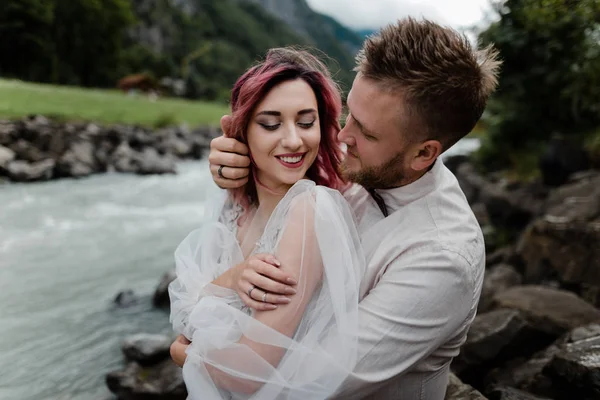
279	66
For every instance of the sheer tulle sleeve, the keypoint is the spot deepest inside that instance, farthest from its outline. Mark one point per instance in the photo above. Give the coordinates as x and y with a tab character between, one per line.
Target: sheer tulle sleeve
200	258
304	349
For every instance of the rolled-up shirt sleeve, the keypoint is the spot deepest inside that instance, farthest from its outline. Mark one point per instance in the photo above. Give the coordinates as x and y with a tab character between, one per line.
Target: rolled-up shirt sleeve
424	297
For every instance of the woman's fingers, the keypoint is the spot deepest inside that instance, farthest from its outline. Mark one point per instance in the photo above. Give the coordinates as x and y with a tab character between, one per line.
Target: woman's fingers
257	305
267	265
267	284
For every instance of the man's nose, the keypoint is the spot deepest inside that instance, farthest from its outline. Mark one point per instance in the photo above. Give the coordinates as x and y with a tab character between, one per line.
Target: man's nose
345	136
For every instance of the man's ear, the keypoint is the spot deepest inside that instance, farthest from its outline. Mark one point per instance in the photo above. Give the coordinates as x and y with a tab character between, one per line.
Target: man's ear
225	124
426	154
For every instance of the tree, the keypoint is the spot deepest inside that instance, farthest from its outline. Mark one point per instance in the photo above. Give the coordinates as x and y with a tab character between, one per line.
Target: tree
88	35
550	79
26	46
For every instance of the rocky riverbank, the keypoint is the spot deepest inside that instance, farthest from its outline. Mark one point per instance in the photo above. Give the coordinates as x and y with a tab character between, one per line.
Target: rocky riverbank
39	149
537	333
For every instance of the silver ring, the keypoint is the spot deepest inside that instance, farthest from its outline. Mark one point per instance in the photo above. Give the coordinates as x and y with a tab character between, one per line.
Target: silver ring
250	291
264	299
220	172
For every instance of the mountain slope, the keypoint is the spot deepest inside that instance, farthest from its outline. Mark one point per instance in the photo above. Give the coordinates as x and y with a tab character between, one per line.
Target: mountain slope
208	43
322	31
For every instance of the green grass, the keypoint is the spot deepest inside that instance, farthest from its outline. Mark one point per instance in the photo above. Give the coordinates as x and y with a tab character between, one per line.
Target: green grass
19	99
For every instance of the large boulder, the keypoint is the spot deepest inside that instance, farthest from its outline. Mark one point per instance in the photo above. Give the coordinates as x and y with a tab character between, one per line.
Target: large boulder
146	349
509	393
552	311
576	369
508	205
528	374
161	294
163	381
457	390
494	338
497	279
6	156
23	171
563	245
78	161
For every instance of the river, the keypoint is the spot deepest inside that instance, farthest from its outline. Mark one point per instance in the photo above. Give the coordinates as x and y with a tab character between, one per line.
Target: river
67	248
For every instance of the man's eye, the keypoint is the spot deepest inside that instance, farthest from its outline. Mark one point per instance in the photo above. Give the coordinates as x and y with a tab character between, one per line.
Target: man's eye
270	127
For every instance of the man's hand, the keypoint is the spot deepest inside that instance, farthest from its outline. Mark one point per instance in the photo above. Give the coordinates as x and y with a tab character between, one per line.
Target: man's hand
262	272
178	348
232	155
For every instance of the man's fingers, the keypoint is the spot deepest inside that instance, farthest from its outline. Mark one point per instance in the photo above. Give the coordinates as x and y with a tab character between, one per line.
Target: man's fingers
230	173
228	145
217	157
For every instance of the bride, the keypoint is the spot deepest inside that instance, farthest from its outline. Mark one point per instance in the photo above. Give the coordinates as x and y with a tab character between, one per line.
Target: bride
286	109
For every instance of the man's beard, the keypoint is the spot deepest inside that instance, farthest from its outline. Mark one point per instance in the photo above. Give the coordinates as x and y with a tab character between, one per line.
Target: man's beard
385	176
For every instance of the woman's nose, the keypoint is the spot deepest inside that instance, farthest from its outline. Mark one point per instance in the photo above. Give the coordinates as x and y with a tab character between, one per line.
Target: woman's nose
292	139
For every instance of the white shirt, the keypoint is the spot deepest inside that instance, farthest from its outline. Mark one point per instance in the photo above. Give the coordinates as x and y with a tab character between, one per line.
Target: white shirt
420	292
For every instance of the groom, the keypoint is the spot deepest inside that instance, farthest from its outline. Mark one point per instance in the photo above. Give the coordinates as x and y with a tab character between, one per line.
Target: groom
419	88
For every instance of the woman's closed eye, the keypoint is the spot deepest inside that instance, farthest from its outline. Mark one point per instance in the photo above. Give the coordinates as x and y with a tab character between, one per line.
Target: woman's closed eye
306	125
269	127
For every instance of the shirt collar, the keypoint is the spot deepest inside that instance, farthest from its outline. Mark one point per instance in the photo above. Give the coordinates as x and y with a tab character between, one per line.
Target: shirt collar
397	197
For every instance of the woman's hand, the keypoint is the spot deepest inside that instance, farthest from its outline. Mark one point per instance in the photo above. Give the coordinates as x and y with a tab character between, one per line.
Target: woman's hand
261	284
178	348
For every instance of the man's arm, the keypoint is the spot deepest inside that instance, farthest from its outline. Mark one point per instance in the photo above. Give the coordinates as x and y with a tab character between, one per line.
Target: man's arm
424	298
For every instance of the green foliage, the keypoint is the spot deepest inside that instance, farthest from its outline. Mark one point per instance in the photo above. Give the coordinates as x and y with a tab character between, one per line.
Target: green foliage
550	79
63	41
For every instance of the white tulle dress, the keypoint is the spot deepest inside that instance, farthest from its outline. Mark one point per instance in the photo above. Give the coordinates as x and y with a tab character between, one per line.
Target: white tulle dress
302	350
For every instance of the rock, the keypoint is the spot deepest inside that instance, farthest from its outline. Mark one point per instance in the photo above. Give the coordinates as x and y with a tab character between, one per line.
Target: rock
161	294
495	337
125	298
470	181
78	161
513	207
506	254
453	162
162	381
124	159
576	369
508	393
498	278
457	390
481	214
568	251
6	156
24	150
552	311
22	171
527	374
81	149
146	349
576	201
150	162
